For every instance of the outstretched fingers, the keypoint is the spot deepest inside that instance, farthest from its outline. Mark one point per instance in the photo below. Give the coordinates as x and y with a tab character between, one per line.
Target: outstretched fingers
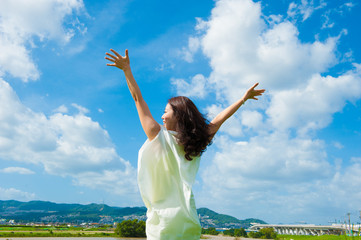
252	93
117	54
110	55
117	60
257	93
110	59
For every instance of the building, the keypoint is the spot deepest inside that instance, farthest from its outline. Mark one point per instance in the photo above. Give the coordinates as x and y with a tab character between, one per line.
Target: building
305	229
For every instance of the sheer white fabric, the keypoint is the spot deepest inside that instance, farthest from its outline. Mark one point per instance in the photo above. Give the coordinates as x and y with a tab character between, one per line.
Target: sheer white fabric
165	180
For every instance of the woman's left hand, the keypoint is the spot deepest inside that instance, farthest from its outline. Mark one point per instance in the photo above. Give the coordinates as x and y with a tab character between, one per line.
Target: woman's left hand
252	93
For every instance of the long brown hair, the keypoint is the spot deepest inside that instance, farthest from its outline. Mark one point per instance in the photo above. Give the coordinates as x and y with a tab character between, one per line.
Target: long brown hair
192	127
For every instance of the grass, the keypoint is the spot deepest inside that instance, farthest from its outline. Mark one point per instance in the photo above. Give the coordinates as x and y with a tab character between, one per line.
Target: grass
45	234
39	231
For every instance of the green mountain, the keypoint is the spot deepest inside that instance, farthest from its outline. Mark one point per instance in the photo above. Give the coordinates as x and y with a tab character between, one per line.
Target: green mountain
49	212
209	218
41	211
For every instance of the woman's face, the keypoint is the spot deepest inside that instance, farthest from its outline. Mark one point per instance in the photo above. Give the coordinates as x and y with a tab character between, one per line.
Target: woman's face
169	121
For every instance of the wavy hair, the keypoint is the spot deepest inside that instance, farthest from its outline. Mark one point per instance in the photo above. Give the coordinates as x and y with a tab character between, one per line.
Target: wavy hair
192	127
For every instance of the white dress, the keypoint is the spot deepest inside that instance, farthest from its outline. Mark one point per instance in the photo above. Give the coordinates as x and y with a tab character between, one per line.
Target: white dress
165	180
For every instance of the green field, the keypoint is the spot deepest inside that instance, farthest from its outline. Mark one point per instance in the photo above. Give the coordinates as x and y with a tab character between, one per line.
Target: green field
63	231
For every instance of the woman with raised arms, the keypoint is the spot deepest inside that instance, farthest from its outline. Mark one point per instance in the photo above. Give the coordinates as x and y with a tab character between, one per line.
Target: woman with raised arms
169	159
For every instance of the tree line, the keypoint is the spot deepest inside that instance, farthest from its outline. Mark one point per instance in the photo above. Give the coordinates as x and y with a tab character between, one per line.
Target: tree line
264	233
135	228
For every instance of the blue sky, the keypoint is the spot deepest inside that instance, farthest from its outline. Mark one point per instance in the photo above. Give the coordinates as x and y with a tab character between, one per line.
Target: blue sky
69	131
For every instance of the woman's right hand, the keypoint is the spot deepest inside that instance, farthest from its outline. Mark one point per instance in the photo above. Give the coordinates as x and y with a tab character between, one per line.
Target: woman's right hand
119	61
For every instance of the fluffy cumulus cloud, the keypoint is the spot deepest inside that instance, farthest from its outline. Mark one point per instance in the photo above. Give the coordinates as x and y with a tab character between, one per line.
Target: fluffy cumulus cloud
284	167
254	52
261	159
322	97
23	22
66	145
266	172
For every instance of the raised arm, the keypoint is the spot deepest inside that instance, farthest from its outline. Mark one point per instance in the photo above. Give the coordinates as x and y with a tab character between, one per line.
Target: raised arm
217	122
150	126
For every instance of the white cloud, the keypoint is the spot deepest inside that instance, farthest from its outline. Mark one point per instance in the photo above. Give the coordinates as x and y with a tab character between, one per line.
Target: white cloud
328	16
347	6
65	145
338	145
251	119
304	9
246	51
193	46
16	60
275	173
284	62
114	181
82	110
267	174
230	45
196	88
284	167
12	193
312	107
273	158
327	22
344	184
61	109
19	170
22	22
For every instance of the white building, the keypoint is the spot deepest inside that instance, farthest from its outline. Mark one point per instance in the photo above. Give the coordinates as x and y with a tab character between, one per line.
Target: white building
305	229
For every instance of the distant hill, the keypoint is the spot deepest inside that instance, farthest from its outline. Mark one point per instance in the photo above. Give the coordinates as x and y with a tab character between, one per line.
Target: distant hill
41	211
49	212
210	218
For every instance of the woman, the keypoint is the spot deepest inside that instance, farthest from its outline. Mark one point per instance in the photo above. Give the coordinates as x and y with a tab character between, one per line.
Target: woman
168	161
